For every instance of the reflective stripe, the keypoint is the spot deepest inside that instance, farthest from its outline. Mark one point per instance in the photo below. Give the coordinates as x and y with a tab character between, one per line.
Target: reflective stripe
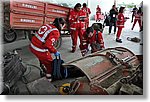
83	28
120	20
82	16
38	49
120	25
83	51
45	34
83	40
49	26
73	28
74	22
84	43
77	22
39	37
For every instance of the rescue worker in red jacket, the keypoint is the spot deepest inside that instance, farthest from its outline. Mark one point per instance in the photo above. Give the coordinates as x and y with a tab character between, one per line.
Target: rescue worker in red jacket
88	12
98	13
43	41
94	39
77	19
133	12
120	24
138	17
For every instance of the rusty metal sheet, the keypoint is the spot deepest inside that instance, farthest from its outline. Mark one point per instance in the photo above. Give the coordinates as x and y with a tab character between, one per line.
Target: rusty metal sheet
98	67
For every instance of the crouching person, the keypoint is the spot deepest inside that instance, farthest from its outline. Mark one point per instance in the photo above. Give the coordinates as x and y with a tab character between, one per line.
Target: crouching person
43	41
94	39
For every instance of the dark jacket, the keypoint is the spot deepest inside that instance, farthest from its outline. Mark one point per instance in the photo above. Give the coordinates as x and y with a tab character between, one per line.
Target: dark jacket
113	15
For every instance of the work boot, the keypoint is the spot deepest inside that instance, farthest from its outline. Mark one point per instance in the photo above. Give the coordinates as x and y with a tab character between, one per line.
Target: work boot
49	77
141	30
118	40
73	49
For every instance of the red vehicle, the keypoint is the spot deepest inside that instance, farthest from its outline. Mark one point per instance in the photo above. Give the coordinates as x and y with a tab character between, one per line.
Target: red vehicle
23	17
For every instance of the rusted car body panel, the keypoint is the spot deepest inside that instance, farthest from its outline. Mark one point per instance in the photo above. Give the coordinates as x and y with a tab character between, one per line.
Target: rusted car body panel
112	71
105	69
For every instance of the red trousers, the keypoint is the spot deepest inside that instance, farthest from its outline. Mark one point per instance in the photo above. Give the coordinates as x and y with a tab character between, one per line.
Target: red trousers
87	24
119	32
45	58
98	16
139	21
74	36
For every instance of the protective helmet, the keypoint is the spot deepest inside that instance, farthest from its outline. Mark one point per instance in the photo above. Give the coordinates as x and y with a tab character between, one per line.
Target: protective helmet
57	23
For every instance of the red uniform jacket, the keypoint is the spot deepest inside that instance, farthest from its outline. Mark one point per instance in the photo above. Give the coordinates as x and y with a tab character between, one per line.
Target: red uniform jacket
120	20
42	43
138	16
87	11
77	19
98	10
89	41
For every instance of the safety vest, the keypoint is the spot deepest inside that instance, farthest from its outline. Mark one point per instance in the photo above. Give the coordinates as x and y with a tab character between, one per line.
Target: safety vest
120	20
138	16
44	31
42	35
74	23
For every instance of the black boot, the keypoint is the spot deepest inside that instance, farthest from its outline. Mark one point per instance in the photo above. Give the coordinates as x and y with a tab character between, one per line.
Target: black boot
73	49
118	40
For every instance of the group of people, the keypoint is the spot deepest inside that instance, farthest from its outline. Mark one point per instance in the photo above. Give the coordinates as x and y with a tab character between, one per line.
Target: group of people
42	44
79	26
117	19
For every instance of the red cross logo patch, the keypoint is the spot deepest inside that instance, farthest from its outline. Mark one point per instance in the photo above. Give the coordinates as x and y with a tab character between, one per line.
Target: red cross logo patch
42	30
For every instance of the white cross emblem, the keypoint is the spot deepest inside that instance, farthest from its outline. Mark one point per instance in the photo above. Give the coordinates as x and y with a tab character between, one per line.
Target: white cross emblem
42	30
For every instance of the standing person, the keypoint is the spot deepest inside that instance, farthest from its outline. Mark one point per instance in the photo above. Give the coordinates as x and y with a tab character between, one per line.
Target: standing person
138	17
120	24
94	39
77	20
113	18
133	13
88	12
42	44
98	13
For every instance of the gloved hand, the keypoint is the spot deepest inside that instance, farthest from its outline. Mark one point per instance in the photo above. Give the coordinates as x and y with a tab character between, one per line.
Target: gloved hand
57	54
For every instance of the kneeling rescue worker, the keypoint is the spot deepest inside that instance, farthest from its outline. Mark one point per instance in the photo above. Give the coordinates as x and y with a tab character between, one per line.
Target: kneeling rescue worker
43	41
94	39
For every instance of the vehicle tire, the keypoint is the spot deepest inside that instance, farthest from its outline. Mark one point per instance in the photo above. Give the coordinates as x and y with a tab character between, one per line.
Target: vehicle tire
58	43
30	35
10	35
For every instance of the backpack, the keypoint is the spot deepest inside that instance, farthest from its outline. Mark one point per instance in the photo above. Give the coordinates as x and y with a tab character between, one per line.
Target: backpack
59	72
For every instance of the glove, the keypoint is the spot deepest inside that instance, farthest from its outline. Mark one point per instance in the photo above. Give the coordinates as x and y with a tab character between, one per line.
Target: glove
57	54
